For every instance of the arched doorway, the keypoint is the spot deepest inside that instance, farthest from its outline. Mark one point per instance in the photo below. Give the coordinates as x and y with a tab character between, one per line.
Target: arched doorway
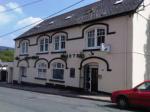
91	77
4	76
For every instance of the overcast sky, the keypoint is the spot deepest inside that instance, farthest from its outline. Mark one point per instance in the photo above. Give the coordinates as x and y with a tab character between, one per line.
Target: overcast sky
23	16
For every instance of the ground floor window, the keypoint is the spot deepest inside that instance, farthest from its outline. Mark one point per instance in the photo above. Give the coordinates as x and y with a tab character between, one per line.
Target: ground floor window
23	71
72	72
42	70
58	71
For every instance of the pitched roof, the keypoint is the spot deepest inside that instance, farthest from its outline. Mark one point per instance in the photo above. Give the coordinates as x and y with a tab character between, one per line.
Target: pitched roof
98	10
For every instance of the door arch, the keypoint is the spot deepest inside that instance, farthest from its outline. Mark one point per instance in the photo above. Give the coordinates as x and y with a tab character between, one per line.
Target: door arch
93	58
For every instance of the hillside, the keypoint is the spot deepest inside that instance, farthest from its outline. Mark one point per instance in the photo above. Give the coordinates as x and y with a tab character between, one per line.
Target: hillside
5	48
7	55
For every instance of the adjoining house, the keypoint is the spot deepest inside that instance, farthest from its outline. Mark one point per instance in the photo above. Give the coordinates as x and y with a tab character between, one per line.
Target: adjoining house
103	46
6	72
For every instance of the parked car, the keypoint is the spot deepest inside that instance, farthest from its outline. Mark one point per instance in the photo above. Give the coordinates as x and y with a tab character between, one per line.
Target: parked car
138	96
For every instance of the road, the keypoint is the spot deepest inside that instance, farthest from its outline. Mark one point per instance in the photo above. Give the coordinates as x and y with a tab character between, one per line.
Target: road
12	100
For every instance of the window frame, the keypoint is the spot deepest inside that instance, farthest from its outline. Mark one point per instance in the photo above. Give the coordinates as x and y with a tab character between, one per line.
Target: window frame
24	47
55	67
60	42
44	44
95	28
42	68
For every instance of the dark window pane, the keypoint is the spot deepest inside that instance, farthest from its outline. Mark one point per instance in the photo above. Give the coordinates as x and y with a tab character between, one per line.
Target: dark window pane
72	72
99	41
58	74
46	41
62	38
46	47
41	48
56	46
58	65
62	45
100	36
42	41
91	42
103	39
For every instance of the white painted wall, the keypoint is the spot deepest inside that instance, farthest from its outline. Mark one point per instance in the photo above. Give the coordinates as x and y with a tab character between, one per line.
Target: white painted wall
140	39
117	58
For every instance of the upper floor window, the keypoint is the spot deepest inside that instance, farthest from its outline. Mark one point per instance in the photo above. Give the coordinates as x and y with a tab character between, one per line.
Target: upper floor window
24	47
42	70
58	71
43	45
95	37
59	43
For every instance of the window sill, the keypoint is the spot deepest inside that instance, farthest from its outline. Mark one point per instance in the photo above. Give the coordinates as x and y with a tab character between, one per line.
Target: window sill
24	55
91	49
55	52
40	53
24	76
55	80
38	78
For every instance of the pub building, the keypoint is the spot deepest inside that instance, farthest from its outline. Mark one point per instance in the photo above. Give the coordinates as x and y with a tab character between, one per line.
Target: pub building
92	48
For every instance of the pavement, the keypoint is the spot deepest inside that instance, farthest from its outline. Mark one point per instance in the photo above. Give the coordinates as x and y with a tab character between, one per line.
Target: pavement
61	92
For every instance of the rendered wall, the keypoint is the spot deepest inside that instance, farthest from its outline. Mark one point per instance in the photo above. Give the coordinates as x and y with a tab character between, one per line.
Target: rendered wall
141	45
118	78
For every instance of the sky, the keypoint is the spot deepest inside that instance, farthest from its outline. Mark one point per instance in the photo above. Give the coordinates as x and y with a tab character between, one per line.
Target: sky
20	17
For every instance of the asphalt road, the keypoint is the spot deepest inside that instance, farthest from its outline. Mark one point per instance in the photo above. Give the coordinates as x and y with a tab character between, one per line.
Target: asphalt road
12	100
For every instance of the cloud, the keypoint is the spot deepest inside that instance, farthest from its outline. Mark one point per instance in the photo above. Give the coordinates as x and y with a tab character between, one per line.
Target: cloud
8	41
20	24
4	18
2	8
28	21
15	7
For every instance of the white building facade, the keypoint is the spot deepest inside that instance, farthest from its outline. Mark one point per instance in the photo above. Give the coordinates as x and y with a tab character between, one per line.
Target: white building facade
91	50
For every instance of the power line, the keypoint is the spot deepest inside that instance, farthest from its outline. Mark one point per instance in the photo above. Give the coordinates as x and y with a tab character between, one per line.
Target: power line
1	36
24	5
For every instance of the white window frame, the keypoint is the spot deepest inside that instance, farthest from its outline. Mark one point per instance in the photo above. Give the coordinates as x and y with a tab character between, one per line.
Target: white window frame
59	42
42	68
95	37
55	66
24	47
44	45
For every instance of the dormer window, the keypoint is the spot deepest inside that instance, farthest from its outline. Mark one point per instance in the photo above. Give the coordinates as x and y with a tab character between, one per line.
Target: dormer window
52	22
37	27
24	47
59	42
95	37
68	17
118	2
43	45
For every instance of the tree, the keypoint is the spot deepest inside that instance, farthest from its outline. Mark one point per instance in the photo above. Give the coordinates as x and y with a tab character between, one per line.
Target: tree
7	55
